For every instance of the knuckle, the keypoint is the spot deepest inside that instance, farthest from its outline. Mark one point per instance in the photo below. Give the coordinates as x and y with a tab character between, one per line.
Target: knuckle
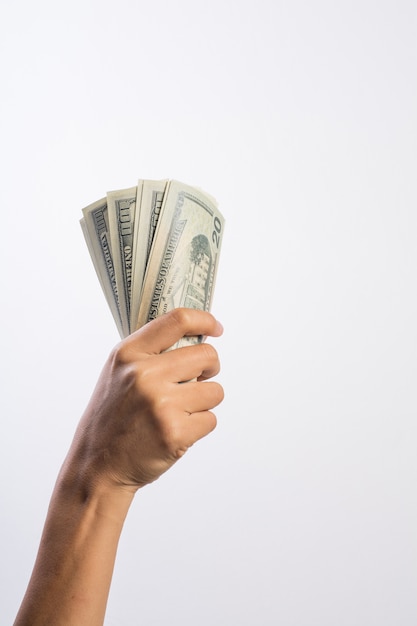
215	394
136	376
150	388
171	434
218	393
181	317
160	407
121	354
142	378
185	318
208	352
212	420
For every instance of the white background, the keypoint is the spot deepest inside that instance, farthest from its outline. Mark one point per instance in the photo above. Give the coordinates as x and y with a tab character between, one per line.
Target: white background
300	118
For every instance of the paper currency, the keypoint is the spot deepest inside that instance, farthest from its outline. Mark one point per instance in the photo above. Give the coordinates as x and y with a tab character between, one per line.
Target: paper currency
121	206
152	195
95	226
155	247
184	257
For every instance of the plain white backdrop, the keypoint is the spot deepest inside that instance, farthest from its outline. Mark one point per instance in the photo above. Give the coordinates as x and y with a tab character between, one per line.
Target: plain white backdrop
300	118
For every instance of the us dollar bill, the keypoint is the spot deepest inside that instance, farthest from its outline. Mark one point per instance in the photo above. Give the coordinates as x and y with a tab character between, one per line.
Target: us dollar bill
95	227
147	214
184	257
121	211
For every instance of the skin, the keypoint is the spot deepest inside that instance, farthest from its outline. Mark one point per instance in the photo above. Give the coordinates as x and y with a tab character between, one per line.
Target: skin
138	423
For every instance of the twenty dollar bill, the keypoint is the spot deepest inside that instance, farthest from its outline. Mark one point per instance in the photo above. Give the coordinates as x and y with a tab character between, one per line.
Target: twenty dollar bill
184	258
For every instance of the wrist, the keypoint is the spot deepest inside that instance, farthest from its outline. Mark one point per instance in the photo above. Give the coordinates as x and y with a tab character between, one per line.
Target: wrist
80	484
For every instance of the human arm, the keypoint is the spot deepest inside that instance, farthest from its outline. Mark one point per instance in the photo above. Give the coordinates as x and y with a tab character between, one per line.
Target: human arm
138	423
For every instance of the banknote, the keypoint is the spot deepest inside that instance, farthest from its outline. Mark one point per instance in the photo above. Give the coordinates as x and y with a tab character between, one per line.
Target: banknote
151	194
184	256
121	207
95	227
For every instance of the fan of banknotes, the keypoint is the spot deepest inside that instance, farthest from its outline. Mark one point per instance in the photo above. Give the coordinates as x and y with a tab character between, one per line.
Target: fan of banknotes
155	247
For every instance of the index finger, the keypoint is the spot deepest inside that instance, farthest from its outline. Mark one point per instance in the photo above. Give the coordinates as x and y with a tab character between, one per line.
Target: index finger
164	331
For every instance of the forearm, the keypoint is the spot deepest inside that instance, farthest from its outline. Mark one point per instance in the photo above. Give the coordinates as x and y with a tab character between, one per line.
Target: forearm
73	570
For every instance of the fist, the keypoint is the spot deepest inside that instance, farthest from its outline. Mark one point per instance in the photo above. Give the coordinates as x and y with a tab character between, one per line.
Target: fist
150	403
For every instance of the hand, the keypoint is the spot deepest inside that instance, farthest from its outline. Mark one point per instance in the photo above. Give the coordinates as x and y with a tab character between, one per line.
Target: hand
142	417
